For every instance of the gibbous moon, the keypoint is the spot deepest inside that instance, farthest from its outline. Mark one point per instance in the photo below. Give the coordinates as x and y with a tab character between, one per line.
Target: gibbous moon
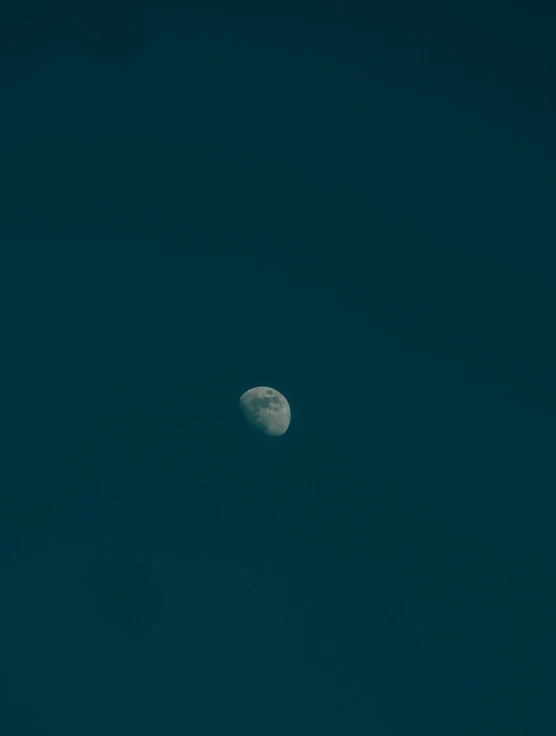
266	410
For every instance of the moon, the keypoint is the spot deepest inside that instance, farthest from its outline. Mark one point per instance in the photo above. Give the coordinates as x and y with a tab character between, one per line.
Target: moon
266	410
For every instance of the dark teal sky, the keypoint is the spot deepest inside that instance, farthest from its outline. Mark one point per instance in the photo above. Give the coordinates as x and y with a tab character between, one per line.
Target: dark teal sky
355	208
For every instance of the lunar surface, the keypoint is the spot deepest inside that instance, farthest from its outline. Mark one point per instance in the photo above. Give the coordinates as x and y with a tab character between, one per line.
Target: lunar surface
266	410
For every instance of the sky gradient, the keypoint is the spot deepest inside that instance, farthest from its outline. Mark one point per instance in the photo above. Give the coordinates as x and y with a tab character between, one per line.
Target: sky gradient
356	209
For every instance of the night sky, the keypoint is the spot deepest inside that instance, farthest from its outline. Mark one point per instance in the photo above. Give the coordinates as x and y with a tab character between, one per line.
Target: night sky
354	206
